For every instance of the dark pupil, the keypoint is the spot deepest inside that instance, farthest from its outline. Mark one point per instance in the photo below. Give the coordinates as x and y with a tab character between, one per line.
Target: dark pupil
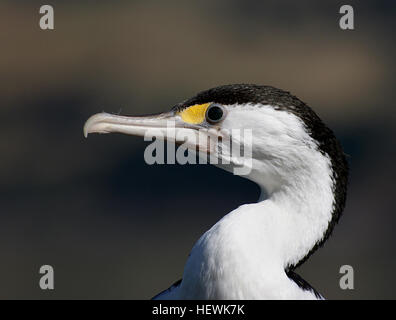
215	113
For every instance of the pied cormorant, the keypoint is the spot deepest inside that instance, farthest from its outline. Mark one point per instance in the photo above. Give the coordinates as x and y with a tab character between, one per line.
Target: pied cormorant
296	160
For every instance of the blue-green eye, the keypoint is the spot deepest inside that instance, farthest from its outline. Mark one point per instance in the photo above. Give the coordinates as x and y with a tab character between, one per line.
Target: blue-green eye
214	113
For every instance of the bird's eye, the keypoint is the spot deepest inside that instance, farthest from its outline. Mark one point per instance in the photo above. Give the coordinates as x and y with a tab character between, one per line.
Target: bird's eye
214	113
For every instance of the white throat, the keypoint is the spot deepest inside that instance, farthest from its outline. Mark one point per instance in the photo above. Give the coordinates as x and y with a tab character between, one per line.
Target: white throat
245	254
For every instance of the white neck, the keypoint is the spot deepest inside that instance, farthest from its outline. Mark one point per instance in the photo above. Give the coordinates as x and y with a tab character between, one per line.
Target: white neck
245	254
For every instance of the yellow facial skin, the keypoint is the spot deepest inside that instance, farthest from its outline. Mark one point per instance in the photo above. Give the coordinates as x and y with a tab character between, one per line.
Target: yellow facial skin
194	114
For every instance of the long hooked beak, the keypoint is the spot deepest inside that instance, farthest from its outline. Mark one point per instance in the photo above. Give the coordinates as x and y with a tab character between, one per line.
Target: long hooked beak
107	123
166	125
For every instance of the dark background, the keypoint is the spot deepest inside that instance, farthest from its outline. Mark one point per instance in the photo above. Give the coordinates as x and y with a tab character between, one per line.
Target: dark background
114	227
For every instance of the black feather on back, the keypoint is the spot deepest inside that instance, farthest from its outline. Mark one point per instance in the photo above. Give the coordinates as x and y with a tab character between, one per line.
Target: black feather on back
166	291
304	285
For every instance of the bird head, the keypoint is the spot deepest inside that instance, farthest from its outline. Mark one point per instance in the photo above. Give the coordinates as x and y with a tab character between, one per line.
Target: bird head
260	132
264	134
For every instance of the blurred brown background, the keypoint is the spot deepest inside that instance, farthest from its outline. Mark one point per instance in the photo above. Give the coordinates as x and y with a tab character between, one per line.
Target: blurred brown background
114	227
